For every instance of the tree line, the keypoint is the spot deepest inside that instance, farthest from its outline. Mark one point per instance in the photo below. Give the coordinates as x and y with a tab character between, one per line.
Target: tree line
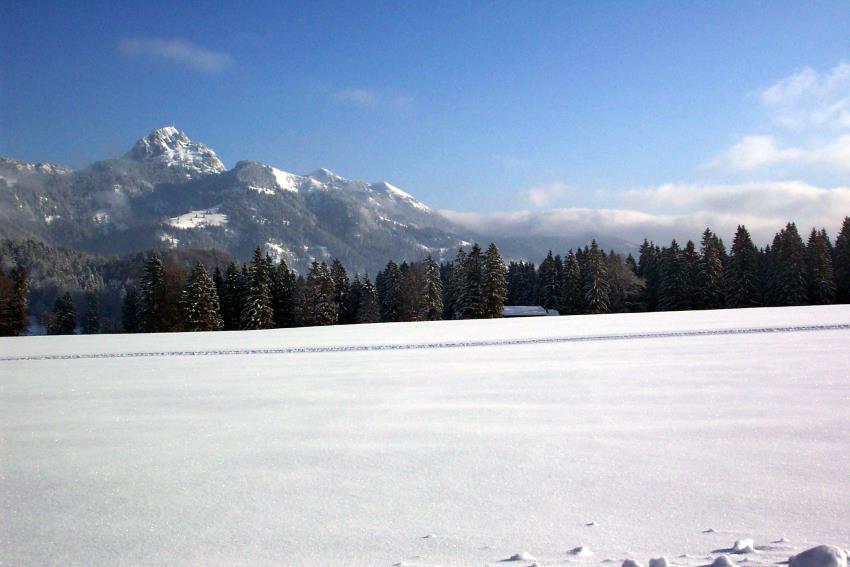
263	294
789	271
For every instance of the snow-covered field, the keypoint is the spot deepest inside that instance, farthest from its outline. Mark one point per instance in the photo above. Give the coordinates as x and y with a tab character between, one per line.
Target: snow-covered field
613	436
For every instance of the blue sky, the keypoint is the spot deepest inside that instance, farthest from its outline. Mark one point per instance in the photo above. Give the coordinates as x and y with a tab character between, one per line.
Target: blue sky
490	109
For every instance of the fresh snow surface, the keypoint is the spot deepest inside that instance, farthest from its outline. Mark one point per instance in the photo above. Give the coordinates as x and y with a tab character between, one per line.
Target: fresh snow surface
198	219
676	432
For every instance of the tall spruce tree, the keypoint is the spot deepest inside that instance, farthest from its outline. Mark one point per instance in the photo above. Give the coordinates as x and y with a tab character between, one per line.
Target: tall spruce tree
494	286
710	277
257	310
596	287
547	282
471	302
130	311
152	312
675	286
341	289
742	287
199	299
790	256
91	315
431	308
283	296
63	321
454	289
369	309
690	266
230	298
390	293
841	263
321	307
572	293
649	268
355	295
819	273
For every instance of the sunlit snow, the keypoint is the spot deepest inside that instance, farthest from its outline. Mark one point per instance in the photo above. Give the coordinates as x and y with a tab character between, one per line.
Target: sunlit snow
676	435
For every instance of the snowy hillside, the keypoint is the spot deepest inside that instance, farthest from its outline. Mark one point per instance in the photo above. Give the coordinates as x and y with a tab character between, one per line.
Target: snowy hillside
554	440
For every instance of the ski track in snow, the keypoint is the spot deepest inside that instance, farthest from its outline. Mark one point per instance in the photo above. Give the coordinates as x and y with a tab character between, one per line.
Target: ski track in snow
436	345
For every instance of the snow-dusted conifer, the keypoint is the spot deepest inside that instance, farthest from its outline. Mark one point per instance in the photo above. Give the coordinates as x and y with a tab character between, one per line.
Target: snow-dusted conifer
431	308
199	300
257	310
494	287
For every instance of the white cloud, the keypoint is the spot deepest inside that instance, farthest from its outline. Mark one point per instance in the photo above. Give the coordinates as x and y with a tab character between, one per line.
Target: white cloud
680	211
543	195
177	51
809	114
759	152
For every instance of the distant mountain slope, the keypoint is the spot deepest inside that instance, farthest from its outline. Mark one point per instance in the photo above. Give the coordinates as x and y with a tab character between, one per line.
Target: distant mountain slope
170	192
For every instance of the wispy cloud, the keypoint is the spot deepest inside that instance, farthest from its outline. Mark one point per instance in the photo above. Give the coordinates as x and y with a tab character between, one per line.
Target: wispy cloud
369	98
178	51
543	195
809	116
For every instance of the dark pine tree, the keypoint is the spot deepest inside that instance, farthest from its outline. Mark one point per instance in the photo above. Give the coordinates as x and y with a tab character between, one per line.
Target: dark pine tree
321	307
742	288
454	290
199	299
596	286
369	310
710	277
341	288
790	256
91	315
152	310
819	273
649	268
572	290
230	298
675	287
690	266
547	282
841	263
355	295
257	310
494	286
130	311
471	302
389	292
63	321
283	296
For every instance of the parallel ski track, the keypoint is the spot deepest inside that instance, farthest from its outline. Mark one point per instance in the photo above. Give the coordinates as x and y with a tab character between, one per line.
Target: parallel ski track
435	345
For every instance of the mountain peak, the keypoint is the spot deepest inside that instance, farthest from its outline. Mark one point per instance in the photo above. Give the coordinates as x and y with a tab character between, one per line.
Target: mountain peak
172	148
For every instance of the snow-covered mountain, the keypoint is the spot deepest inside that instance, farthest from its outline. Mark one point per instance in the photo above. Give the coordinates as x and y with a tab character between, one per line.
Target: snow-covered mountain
168	191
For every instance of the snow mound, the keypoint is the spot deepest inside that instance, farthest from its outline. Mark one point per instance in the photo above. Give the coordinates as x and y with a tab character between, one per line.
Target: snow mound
580	551
631	563
523	556
820	556
722	561
658	562
744	546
